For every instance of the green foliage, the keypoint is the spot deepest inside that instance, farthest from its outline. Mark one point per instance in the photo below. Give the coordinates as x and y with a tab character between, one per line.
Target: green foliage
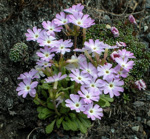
19	53
126	98
49	128
127	35
44	113
105	100
63	116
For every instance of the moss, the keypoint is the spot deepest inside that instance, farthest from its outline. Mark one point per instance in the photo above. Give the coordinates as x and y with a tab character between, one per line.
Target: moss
126	34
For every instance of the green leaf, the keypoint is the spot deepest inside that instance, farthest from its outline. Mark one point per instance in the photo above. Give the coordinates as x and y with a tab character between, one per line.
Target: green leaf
50	127
65	89
82	128
64	110
36	102
70	124
46	86
44	93
44	113
86	122
63	104
104	101
107	97
59	121
39	109
72	115
50	104
65	125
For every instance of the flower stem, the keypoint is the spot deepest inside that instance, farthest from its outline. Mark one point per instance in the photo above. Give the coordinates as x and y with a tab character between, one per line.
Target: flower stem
84	35
54	103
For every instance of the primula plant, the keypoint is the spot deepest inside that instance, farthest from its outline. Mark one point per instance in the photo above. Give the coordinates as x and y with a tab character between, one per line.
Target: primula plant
72	91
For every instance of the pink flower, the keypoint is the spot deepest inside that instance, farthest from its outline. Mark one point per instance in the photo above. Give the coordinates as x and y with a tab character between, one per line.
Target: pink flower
93	112
75	103
132	19
140	84
62	46
106	71
88	68
95	85
51	27
55	78
79	77
27	87
124	53
115	31
120	73
28	75
88	96
46	40
81	20
94	46
45	54
124	63
61	19
43	63
75	9
113	87
33	35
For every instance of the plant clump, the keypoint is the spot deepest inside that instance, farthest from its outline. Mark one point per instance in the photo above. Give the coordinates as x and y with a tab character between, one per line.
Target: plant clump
19	53
72	91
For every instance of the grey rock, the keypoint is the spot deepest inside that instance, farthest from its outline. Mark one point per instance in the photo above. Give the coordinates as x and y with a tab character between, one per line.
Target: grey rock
148	113
148	123
147	4
9	103
138	103
136	128
138	119
113	130
103	137
106	19
145	28
1	125
148	36
144	121
6	79
146	44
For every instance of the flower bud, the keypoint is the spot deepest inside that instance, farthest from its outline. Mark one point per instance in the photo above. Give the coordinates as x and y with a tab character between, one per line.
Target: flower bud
140	84
115	31
121	44
132	19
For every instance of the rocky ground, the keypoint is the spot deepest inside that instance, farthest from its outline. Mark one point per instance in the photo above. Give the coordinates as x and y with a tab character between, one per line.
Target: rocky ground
18	117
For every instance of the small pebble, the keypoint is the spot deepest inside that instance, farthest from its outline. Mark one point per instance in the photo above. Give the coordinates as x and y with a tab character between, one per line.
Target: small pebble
145	28
112	130
148	123
148	113
138	103
6	79
136	128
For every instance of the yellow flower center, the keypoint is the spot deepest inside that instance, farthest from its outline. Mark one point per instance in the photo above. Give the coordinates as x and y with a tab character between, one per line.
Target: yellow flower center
79	23
91	111
77	105
48	41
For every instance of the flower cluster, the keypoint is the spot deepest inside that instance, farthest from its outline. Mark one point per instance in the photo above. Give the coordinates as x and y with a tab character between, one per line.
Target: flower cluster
91	74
